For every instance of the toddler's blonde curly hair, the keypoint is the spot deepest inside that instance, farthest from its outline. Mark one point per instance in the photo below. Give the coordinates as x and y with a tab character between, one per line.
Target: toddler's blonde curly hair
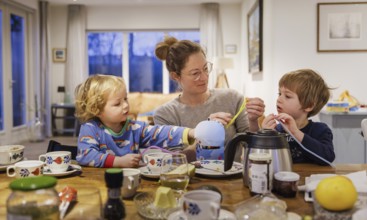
91	96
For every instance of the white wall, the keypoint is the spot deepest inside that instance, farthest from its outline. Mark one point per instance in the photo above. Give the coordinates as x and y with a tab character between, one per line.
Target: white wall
145	18
289	33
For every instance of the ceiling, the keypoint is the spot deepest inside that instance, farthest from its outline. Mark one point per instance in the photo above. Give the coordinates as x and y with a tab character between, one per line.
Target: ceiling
138	2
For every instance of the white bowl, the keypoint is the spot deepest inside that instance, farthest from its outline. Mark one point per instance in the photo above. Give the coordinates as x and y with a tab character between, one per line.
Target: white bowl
10	154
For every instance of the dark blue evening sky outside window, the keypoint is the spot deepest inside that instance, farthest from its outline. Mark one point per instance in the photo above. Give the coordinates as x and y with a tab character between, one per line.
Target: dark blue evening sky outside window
105	56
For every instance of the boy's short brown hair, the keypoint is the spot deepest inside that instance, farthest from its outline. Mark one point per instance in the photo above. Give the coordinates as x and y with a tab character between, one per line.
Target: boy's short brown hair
310	87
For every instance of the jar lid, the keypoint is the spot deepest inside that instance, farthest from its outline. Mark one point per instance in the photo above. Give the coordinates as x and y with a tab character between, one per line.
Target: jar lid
33	183
286	176
260	156
113	177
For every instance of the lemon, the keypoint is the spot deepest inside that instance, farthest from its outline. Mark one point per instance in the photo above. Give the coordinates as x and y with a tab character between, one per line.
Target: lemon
336	193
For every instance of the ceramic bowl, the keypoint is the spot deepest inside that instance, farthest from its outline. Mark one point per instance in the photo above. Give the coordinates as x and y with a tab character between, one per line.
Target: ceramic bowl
10	154
144	203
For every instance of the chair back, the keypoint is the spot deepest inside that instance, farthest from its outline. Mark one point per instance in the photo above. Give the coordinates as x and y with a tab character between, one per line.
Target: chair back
364	128
56	146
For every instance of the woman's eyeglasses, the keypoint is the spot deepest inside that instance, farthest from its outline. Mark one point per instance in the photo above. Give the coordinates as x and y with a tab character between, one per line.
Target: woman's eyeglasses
196	74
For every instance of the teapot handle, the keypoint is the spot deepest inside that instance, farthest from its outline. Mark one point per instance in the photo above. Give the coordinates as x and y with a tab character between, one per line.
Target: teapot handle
230	149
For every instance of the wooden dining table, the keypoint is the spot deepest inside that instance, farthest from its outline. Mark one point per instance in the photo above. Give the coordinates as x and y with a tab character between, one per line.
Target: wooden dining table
233	190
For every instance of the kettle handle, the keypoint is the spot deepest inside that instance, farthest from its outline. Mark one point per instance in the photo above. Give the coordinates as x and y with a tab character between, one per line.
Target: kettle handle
230	149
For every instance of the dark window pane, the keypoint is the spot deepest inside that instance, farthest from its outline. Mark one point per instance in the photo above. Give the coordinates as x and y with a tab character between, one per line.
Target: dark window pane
18	64
145	70
105	53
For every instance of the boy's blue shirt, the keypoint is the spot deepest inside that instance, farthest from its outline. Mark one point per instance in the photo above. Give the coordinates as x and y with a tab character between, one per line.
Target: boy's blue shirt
318	139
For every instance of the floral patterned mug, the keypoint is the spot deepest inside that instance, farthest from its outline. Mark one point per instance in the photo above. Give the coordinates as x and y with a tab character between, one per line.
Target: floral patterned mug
201	204
57	161
26	168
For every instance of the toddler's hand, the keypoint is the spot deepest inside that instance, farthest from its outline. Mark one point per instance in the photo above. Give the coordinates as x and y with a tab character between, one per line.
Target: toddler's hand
128	161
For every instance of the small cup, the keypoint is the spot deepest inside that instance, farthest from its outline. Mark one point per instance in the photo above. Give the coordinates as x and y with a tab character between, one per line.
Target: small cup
285	183
131	182
10	154
25	169
57	161
201	204
154	161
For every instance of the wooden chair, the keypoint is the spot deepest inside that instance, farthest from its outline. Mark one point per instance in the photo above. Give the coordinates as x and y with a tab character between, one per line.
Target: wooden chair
56	146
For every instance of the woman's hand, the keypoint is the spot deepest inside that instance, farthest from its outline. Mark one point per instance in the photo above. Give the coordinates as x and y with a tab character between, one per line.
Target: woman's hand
223	117
127	161
255	108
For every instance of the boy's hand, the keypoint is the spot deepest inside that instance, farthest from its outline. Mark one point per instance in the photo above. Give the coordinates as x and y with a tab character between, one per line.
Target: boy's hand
269	122
127	161
291	125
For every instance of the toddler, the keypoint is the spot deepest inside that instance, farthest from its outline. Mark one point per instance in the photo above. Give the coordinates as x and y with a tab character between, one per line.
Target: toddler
107	137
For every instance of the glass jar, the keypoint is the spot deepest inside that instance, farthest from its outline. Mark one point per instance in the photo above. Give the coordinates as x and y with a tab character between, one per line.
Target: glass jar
33	198
260	179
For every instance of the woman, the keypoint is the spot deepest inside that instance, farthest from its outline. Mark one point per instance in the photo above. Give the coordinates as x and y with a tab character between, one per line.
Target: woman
187	65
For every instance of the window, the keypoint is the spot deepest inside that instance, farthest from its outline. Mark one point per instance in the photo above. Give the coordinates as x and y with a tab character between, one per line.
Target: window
144	72
1	72
18	71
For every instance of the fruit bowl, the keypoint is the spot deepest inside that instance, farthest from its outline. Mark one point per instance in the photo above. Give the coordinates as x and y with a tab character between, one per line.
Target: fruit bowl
144	204
321	213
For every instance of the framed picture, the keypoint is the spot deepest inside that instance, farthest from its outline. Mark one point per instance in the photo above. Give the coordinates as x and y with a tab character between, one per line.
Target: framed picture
254	36
341	27
59	54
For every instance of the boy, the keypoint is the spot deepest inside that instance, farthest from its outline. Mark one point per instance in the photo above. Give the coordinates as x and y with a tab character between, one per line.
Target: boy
302	94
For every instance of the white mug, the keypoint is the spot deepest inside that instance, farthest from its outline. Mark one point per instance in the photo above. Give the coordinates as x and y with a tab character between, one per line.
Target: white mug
10	154
25	169
57	161
201	204
154	161
131	182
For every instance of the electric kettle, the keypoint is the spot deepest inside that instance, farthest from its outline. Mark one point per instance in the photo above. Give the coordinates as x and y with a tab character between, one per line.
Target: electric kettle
264	141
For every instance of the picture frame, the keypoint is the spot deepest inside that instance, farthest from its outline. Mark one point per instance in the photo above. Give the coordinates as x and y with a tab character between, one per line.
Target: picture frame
341	27
59	54
254	37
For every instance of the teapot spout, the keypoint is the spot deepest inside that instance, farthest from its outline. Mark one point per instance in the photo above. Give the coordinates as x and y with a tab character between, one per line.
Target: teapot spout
230	149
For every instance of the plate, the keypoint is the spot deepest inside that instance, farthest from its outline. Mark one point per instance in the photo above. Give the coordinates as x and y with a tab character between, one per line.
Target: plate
72	169
214	168
145	172
3	167
223	215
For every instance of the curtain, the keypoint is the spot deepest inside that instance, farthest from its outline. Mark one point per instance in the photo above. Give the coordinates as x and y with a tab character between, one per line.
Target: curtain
44	98
75	50
211	34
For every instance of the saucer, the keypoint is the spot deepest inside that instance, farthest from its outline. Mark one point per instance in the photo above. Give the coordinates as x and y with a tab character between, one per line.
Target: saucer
223	215
3	167
72	169
145	172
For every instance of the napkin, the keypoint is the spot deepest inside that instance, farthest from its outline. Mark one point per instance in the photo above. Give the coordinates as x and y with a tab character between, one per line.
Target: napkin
359	180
